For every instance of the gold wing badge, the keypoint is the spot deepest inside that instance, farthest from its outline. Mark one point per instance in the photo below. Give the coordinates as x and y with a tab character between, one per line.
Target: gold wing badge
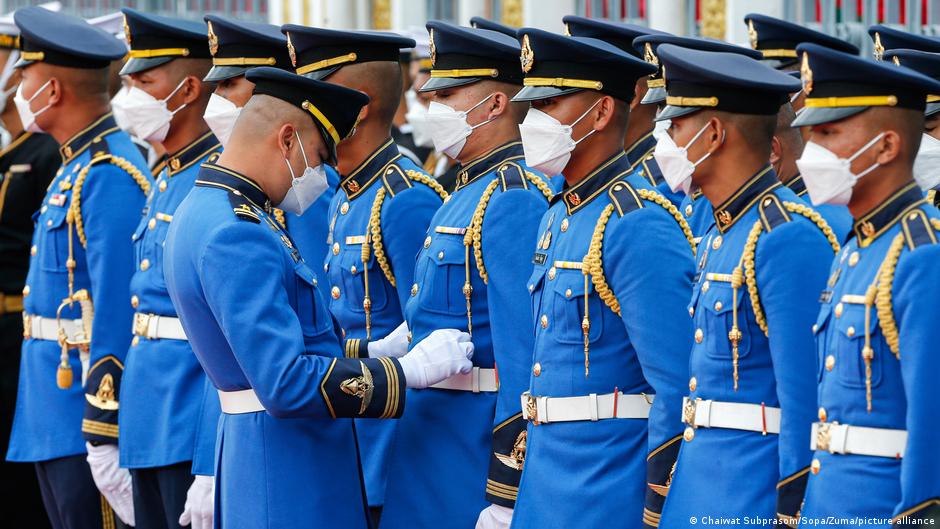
361	386
527	58
516	457
213	40
104	398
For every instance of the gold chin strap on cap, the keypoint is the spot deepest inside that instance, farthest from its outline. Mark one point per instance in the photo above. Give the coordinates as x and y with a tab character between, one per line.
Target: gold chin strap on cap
160	52
244	61
779	54
851	101
560	82
326	63
473	72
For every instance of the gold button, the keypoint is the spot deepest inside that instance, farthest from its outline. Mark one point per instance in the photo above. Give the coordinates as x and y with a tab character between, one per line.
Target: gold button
335	248
814	466
815	327
537	369
135	301
440	254
718	306
716	243
334	292
162	185
688	434
705	286
145	265
152	224
414	289
693	383
830	362
409	337
344	208
691	312
544	321
551	273
43	209
850	332
822	414
699	335
135	341
49	222
853	259
568	293
427	242
531	288
33	250
25	291
564	225
839	309
688	210
353	269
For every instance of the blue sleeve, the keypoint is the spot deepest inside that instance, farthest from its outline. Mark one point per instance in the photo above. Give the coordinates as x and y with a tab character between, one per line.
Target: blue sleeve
111	203
206	432
509	230
292	373
792	264
916	311
405	220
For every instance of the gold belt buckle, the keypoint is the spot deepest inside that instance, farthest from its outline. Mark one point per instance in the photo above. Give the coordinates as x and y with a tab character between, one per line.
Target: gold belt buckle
27	326
688	412
141	324
823	436
531	408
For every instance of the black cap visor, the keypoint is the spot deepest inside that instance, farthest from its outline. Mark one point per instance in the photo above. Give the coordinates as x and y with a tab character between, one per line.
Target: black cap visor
141	64
221	73
534	93
932	109
440	83
654	96
671	112
809	116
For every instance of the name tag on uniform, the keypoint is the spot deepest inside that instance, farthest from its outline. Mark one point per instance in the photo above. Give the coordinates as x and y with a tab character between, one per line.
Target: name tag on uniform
20	168
57	199
825	296
539	258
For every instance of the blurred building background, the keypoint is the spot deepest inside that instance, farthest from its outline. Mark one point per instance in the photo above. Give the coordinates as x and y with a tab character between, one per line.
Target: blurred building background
847	19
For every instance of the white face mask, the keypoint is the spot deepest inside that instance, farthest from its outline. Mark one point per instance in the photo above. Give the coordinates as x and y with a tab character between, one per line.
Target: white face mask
661	128
674	161
119	107
306	188
148	118
449	128
927	163
417	117
27	116
220	115
547	142
829	179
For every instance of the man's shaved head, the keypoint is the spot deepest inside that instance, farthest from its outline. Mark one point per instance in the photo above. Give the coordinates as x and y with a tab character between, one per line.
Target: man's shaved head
516	111
381	81
264	114
81	82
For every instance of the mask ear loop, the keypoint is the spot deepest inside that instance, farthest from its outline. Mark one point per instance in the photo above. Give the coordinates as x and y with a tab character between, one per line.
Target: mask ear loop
302	151
289	168
35	95
175	90
469	110
696	137
586	112
860	151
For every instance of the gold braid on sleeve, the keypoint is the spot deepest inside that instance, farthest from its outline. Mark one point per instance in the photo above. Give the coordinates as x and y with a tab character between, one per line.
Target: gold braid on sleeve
418	176
593	263
658	199
375	233
474	235
539	184
74	215
889	327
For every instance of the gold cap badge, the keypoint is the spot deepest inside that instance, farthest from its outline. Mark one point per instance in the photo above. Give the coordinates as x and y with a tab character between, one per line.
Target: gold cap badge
752	34
291	51
433	48
213	40
806	74
879	50
527	57
649	56
127	31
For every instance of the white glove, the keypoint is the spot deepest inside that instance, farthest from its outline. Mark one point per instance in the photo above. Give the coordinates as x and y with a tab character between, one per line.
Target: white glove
199	509
494	517
394	345
443	354
113	481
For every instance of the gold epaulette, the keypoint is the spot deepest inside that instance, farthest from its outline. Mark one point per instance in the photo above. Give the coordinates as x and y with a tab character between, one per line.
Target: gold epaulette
74	215
418	176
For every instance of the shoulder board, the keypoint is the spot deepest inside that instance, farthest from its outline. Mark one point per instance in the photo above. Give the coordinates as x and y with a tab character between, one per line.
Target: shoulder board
772	212
511	176
99	147
241	208
647	172
624	198
395	180
918	230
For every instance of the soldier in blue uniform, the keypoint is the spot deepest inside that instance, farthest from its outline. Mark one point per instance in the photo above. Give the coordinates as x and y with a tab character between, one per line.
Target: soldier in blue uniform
640	139
168	59
459	447
286	450
612	274
761	266
379	218
77	318
876	438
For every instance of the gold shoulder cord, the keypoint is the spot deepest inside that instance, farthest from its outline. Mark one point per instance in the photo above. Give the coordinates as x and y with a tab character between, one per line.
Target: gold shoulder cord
539	184
658	199
73	218
418	176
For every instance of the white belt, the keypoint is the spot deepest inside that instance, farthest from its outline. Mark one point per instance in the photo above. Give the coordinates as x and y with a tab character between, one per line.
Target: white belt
838	438
732	415
591	407
152	327
243	401
40	328
476	381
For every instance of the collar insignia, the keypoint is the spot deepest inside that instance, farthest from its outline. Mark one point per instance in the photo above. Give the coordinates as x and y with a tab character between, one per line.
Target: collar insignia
574	198
527	58
213	40
353	186
724	217
806	74
868	229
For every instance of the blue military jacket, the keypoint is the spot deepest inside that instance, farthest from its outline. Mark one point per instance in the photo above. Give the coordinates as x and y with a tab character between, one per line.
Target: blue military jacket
640	155
881	294
765	288
448	439
94	200
260	323
633	296
385	204
164	385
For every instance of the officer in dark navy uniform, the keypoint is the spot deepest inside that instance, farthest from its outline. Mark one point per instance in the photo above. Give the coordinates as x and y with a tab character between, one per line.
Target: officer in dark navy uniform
876	327
378	219
760	269
168	60
611	278
70	376
27	165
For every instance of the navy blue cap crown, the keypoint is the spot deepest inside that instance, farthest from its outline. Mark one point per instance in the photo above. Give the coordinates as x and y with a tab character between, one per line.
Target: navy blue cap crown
777	40
923	62
616	33
839	85
334	109
886	38
237	46
318	52
556	65
729	82
63	40
483	23
156	40
462	55
649	44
